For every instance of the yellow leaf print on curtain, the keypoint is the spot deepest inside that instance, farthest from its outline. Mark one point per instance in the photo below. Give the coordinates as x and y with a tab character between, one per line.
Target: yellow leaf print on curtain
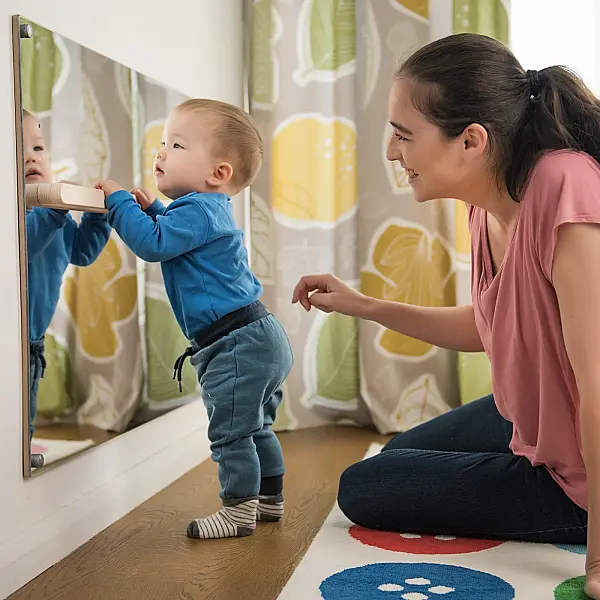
489	17
418	8
313	171
408	264
99	297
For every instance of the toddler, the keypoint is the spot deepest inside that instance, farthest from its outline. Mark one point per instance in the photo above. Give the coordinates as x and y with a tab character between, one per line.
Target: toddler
210	152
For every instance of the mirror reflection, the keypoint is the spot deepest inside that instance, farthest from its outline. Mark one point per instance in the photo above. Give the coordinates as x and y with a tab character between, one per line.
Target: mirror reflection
96	312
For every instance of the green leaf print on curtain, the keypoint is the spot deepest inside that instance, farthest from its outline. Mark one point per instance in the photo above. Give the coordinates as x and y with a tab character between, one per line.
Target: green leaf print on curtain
337	359
488	17
331	363
332	37
53	397
326	40
266	30
165	343
41	66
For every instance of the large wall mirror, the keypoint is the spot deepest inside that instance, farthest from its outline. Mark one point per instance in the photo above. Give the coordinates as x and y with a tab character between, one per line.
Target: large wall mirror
100	339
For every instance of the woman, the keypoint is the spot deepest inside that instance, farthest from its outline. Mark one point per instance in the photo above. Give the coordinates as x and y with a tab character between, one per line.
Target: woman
521	149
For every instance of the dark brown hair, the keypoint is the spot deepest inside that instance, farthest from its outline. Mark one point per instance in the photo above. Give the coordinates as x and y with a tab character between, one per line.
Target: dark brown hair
467	78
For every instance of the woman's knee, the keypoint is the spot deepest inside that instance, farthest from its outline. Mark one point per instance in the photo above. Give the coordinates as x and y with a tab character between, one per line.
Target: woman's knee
364	488
371	490
350	492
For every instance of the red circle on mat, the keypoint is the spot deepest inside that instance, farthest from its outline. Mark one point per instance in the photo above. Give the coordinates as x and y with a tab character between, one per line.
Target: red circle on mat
411	543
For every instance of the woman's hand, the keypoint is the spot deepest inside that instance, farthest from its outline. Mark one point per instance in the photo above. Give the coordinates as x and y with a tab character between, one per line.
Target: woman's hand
143	197
329	294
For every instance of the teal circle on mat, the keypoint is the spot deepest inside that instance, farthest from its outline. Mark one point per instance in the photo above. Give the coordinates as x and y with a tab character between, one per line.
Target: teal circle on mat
571	589
573	548
414	581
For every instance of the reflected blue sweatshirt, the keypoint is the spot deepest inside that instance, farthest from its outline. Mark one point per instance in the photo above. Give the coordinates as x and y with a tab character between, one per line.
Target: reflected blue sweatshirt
54	240
203	259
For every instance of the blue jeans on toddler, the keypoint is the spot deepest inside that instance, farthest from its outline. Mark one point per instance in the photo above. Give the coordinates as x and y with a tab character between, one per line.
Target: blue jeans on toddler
37	365
241	375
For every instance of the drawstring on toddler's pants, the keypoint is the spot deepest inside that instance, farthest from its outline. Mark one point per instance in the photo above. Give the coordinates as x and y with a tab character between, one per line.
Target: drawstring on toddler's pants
178	366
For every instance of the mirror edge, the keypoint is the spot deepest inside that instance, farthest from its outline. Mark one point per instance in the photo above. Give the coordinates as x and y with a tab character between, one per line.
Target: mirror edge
22	250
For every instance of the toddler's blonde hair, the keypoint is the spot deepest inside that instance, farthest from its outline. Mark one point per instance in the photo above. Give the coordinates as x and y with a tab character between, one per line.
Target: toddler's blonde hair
235	137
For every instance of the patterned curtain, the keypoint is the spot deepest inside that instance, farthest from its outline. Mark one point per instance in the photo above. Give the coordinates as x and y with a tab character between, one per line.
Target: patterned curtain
327	200
489	17
304	203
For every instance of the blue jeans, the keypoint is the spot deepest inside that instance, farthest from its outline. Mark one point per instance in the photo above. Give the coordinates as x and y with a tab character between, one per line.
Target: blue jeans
456	475
37	364
241	376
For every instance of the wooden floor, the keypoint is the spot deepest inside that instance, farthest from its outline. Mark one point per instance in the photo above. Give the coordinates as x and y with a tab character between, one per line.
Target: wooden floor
147	556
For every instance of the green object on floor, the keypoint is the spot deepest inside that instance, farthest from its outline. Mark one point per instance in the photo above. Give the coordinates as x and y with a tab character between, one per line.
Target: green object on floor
571	589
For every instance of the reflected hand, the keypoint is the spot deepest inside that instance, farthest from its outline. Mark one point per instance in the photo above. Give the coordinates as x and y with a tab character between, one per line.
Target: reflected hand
143	197
329	294
108	187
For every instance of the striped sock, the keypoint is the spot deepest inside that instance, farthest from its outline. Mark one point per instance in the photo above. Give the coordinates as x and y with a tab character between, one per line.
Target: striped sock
270	508
238	520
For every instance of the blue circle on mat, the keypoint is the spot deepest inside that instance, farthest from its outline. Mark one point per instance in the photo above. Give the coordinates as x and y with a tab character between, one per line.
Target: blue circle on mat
573	548
414	581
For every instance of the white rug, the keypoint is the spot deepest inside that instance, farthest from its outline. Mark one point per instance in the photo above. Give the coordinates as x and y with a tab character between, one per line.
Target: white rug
54	450
346	562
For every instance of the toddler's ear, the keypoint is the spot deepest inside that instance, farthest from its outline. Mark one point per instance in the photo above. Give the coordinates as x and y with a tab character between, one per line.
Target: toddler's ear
222	174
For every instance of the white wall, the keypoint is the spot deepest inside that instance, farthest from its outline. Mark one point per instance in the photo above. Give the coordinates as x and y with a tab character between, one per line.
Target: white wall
545	32
45	518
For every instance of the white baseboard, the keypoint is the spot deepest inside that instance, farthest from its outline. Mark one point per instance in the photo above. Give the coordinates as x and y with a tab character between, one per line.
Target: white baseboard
177	442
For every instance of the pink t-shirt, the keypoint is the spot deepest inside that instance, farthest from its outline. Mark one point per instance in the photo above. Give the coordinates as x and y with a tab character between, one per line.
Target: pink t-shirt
518	317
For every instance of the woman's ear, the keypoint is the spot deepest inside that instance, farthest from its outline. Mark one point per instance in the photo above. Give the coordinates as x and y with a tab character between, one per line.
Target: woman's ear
475	140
